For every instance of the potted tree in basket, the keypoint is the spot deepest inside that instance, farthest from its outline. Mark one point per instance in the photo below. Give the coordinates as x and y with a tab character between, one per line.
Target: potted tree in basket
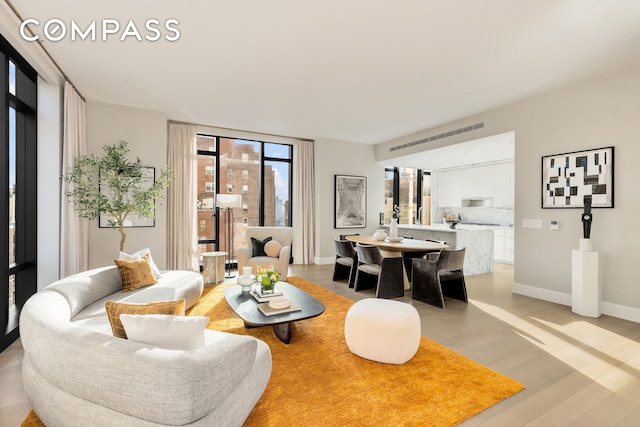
113	186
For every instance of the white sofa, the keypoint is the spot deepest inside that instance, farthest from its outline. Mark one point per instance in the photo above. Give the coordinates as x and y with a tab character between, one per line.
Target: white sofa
76	373
283	235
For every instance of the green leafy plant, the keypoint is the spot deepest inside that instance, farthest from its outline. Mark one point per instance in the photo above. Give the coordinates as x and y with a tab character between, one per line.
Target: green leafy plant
113	186
267	277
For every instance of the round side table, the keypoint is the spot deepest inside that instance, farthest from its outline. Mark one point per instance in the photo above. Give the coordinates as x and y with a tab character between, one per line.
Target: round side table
213	267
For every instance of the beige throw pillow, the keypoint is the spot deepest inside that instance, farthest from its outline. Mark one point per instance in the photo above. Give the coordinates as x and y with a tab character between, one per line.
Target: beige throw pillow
115	309
135	273
272	248
136	255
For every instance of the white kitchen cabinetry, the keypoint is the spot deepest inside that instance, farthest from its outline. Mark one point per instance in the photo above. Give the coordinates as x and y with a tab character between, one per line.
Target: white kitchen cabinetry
503	245
450	189
469	177
484	181
477	182
492	182
503	185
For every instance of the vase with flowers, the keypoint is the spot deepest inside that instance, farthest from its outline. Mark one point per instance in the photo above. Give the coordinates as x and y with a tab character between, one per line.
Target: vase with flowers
267	277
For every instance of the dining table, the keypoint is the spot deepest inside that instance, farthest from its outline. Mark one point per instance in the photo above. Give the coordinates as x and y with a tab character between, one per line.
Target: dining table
399	248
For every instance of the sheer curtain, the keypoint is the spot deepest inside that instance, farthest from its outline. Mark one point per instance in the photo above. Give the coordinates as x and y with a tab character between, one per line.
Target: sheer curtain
74	231
304	238
182	237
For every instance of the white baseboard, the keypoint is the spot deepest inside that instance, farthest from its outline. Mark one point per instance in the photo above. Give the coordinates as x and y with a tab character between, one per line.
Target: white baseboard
543	294
620	311
324	260
608	308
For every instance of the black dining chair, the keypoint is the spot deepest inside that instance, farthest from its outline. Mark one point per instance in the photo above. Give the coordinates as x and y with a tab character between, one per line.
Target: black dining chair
374	270
345	261
435	279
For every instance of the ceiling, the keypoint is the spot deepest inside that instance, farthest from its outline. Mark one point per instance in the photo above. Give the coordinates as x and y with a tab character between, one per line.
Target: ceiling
360	71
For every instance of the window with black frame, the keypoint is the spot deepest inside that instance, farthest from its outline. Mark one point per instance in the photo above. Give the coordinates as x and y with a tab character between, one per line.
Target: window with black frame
18	154
254	180
408	191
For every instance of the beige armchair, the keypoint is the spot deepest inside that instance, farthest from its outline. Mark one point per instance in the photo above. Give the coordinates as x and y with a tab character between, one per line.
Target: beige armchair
282	236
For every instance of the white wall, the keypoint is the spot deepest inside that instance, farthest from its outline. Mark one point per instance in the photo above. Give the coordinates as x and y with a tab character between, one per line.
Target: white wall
49	158
596	113
146	134
334	157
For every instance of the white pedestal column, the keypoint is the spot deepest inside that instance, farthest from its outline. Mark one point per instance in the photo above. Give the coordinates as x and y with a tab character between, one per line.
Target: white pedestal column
585	283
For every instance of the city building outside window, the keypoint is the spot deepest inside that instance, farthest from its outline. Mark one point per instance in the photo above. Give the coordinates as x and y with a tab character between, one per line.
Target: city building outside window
264	184
409	189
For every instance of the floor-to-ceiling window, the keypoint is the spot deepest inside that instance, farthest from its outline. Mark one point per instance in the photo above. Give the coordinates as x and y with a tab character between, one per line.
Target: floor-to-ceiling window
18	142
253	179
409	189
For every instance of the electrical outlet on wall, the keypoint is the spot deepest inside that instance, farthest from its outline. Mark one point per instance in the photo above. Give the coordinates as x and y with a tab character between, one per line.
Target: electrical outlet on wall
531	223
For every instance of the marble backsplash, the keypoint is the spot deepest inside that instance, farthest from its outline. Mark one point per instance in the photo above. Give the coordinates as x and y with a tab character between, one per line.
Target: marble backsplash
478	215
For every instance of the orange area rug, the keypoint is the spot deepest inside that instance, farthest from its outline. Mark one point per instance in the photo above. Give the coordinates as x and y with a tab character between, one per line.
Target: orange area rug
316	380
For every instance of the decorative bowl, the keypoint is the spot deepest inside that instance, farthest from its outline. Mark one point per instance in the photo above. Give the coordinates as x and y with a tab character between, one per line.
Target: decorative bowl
394	239
379	235
246	282
279	302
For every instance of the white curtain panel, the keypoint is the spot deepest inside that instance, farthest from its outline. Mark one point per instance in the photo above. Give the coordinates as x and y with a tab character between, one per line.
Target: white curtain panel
182	238
304	238
74	231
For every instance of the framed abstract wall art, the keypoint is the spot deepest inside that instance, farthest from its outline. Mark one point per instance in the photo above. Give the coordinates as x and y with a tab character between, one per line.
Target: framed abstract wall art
568	177
350	201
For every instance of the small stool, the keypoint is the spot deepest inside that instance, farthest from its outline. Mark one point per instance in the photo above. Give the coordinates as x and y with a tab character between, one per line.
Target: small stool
213	267
383	330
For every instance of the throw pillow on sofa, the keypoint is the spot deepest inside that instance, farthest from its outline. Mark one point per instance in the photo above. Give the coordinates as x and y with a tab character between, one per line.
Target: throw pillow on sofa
273	248
136	255
166	331
115	309
258	246
136	273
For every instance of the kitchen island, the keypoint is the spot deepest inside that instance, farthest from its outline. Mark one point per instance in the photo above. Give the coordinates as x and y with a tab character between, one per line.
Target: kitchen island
478	243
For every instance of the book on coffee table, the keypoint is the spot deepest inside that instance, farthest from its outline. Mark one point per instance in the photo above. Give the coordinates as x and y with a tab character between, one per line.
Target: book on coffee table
256	292
270	311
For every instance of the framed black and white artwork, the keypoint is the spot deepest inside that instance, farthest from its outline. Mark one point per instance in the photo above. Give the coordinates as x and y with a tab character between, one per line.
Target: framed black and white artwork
568	177
350	201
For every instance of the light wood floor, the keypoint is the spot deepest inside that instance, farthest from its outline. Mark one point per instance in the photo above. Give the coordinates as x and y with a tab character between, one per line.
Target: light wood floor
577	371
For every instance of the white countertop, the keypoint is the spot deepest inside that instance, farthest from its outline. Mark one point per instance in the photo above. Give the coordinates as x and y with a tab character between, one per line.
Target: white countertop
446	228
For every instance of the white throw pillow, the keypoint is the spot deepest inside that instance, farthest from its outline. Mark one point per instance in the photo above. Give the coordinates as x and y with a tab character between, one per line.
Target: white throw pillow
140	254
272	249
166	331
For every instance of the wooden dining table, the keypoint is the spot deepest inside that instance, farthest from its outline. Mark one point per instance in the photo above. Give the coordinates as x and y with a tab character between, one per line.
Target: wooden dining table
398	249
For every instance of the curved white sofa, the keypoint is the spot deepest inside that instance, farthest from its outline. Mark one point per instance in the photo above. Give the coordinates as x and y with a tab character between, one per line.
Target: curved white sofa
76	373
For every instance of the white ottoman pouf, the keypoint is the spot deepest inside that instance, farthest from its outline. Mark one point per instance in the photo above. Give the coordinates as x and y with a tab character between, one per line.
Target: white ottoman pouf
383	330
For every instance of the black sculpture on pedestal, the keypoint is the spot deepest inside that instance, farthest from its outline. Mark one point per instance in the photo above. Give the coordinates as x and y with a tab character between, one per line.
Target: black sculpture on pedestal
587	218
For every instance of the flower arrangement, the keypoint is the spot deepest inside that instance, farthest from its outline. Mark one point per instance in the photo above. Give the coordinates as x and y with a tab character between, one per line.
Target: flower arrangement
267	277
396	212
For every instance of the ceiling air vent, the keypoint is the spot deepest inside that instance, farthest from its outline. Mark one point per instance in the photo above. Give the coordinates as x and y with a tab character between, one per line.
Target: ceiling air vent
440	136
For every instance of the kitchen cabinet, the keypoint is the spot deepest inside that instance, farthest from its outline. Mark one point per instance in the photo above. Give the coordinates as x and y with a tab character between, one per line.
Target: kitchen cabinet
494	182
484	181
469	184
450	189
503	244
503	185
477	182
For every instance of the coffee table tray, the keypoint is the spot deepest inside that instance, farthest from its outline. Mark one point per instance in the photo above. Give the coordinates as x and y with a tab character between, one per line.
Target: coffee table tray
269	311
